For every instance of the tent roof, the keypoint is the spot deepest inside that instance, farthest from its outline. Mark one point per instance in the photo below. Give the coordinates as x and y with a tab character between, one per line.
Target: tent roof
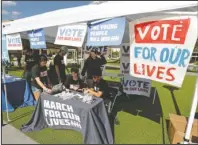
130	9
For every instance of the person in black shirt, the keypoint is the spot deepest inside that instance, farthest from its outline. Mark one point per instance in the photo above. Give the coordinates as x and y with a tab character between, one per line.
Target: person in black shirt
30	62
40	80
100	86
19	55
60	66
73	81
92	63
36	55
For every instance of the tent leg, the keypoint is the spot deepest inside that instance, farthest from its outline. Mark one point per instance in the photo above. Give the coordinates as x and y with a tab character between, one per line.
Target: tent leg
5	89
6	99
154	95
192	114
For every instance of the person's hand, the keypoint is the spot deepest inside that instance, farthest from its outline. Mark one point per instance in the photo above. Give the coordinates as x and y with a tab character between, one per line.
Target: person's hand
49	91
75	88
98	56
50	86
84	89
80	90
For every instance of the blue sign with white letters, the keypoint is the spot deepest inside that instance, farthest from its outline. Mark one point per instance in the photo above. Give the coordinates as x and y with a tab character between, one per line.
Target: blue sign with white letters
106	33
5	56
37	39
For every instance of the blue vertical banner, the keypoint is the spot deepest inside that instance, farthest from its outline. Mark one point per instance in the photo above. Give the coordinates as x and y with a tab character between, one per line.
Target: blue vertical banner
5	55
107	32
37	39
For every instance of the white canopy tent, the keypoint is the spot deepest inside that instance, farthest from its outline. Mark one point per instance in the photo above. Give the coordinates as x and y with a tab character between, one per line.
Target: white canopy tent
130	9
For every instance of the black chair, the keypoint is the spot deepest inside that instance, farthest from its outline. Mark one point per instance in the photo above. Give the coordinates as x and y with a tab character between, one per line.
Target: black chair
110	102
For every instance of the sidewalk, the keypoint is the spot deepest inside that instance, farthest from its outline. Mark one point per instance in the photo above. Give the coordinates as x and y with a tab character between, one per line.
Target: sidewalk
11	135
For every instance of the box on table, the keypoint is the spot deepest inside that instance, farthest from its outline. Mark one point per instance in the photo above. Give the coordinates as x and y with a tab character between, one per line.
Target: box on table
177	128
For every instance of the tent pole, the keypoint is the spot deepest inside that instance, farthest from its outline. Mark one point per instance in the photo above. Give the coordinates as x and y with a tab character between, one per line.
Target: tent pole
192	114
154	95
5	90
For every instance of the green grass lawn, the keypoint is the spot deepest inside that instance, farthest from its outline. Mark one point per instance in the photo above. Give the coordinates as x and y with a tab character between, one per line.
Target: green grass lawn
133	129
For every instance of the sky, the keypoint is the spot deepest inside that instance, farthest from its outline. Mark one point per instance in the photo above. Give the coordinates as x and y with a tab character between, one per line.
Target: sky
12	10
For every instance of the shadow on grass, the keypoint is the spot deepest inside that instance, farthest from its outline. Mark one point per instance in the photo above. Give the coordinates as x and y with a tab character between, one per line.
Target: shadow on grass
172	89
20	117
147	107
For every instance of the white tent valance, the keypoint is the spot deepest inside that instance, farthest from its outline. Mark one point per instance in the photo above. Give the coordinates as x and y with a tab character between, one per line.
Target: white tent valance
131	9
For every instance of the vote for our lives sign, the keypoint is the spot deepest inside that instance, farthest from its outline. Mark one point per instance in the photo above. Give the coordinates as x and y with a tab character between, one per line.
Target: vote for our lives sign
161	48
136	86
106	33
14	42
37	39
71	35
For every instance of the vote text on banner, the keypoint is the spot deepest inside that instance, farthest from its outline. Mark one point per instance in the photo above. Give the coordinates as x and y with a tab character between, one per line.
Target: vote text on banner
71	35
136	86
14	42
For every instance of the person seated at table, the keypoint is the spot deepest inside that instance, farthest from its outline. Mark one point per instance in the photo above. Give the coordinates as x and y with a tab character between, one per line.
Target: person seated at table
73	81
100	86
40	80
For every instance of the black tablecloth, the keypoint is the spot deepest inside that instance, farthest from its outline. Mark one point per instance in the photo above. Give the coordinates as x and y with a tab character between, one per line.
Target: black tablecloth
89	119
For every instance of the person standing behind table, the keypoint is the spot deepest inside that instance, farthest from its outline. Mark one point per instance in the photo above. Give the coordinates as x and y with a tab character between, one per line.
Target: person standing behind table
19	55
40	80
36	55
30	62
92	63
60	65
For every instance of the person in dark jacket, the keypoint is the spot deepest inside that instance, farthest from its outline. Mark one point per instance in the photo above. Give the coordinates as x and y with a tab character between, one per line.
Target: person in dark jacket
93	62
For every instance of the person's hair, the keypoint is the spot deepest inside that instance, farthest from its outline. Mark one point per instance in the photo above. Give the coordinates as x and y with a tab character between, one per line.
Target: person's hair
74	70
42	58
95	51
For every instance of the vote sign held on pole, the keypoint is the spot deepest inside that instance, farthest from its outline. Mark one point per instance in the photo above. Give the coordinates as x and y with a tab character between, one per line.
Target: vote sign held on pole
161	48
